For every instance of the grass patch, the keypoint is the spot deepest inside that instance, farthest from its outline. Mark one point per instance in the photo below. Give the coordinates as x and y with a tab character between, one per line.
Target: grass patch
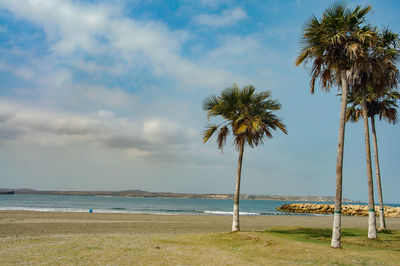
283	246
351	237
315	235
93	248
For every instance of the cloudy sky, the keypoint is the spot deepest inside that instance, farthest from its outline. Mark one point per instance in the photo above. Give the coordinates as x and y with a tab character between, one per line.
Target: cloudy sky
107	95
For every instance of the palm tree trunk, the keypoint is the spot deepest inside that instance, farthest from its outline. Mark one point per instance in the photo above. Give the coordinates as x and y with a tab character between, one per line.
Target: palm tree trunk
371	205
337	217
235	223
382	223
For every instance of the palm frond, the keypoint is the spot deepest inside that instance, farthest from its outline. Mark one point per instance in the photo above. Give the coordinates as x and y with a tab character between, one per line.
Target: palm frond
208	132
353	114
334	42
390	115
249	115
222	135
282	127
302	57
361	12
210	102
383	104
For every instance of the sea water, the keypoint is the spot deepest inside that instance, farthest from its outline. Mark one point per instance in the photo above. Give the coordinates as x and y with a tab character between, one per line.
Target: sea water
147	205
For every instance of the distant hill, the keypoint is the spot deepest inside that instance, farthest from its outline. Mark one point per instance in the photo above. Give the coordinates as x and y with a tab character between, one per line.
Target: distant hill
141	193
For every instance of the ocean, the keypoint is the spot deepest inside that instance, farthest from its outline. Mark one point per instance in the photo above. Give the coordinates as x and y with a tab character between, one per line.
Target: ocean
113	204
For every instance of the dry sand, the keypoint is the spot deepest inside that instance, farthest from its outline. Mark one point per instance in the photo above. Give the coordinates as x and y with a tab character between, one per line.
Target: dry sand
51	238
25	223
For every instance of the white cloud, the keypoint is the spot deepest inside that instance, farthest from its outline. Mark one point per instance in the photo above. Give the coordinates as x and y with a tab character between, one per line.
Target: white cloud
107	97
226	18
30	120
96	68
159	131
31	126
238	50
105	114
124	44
248	56
66	23
24	72
213	3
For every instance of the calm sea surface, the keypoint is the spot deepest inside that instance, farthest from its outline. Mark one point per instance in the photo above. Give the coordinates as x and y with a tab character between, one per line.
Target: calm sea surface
107	204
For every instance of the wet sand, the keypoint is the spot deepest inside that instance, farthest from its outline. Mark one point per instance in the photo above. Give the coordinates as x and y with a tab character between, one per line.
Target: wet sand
26	223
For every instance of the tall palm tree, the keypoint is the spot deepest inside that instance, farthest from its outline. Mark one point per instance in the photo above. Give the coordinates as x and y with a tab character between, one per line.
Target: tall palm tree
374	68
361	75
332	43
387	110
383	106
249	116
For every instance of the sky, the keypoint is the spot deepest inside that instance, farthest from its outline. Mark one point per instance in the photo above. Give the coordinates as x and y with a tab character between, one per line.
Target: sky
107	95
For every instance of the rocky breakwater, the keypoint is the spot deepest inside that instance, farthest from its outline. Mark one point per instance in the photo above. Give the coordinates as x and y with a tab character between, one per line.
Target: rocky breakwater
349	210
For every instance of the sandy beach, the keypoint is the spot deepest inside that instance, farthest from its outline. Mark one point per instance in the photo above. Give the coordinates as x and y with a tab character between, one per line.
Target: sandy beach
25	223
59	238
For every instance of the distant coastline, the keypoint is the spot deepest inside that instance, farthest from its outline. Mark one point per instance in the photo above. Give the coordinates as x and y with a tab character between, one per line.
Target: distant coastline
7	192
141	193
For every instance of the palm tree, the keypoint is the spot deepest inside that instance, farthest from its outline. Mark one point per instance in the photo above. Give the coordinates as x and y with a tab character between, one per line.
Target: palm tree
249	116
361	75
332	43
387	110
385	107
374	68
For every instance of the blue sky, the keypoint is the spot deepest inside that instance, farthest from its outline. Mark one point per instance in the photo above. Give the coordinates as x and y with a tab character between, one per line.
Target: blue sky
107	95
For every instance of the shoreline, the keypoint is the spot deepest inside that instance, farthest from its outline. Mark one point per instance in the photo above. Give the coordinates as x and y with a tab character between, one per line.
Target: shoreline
29	223
175	195
199	213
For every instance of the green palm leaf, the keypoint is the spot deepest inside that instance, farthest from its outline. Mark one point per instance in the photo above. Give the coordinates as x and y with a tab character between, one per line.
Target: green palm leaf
247	113
209	132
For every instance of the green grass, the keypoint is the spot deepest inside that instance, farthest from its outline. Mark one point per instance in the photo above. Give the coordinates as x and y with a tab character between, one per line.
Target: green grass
278	246
351	237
